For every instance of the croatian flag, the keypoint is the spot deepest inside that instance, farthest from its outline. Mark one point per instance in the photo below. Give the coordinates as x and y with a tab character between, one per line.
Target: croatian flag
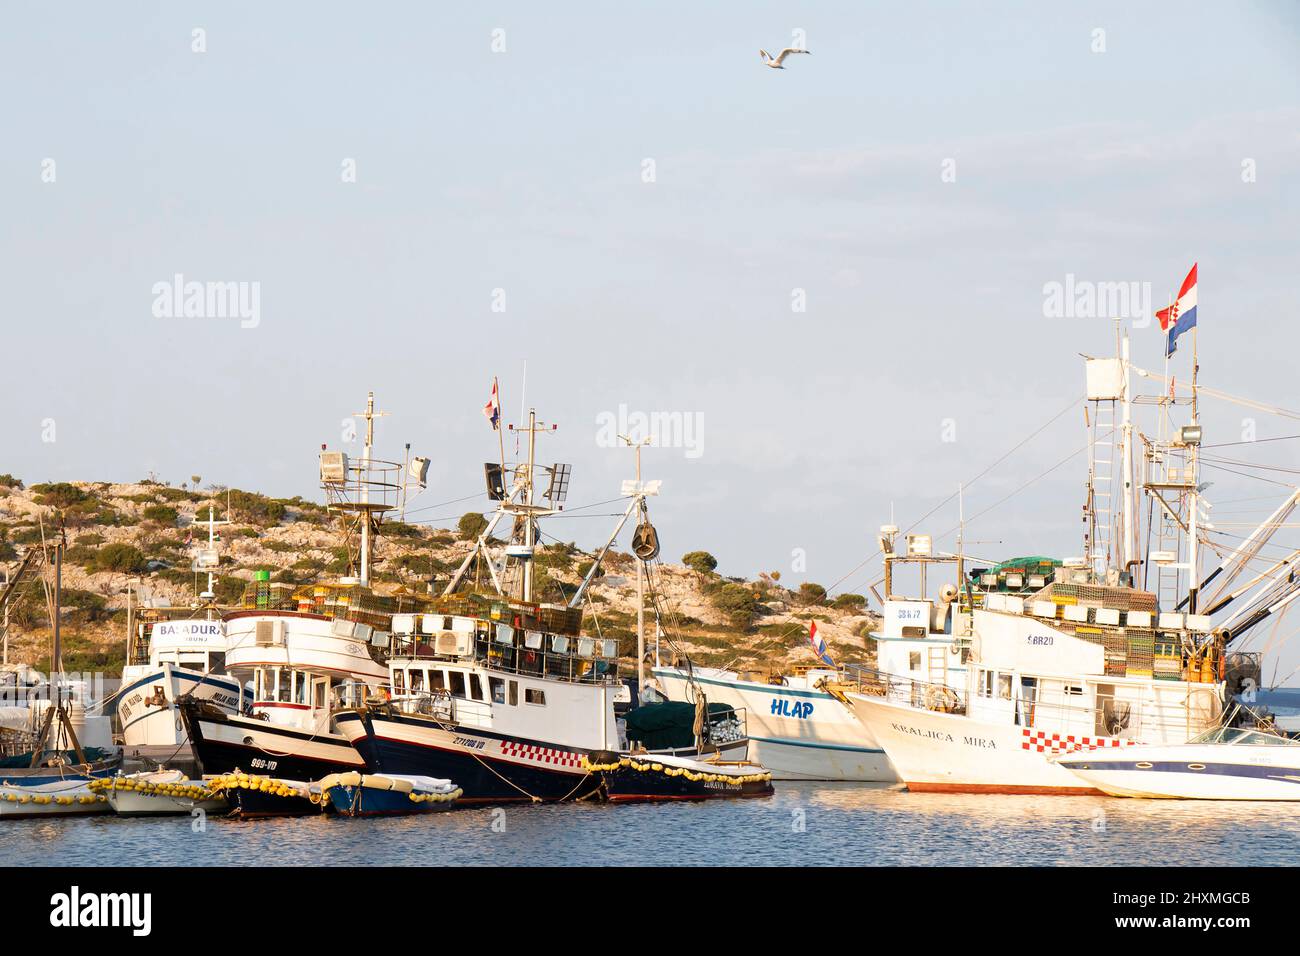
492	410
1180	316
819	646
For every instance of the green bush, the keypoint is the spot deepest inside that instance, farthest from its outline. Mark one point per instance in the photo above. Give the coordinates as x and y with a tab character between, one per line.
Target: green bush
700	561
163	514
59	494
120	557
810	594
850	602
256	508
471	525
9	481
737	602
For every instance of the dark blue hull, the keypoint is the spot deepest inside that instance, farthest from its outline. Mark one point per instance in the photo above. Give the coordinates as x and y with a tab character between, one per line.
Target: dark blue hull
482	777
372	802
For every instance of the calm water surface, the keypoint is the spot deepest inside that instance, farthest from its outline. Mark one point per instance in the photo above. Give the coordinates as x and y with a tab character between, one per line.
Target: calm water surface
803	824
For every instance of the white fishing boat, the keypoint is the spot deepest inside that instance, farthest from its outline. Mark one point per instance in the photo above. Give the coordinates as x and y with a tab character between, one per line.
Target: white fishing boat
19	800
1082	659
1226	763
797	729
157	793
171	659
301	647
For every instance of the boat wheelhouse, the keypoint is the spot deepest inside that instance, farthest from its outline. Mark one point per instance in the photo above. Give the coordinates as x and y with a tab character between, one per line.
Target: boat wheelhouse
1077	656
507	696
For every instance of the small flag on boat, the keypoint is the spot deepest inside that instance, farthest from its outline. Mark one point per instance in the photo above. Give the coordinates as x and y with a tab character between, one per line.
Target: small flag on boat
492	410
1180	316
819	646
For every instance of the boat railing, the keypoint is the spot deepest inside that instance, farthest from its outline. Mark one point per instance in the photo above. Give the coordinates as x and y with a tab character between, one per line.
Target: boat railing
542	661
927	695
1150	719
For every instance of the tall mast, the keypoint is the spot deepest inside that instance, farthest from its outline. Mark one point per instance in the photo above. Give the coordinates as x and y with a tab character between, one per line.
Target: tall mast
1193	553
530	535
1127	555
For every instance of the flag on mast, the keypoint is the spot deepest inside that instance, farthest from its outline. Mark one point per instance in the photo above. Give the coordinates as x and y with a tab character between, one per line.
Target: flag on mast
819	646
492	410
1180	316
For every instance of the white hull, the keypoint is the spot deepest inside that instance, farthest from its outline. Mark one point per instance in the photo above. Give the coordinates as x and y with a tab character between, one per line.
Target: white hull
64	798
143	798
1193	772
948	753
146	723
796	733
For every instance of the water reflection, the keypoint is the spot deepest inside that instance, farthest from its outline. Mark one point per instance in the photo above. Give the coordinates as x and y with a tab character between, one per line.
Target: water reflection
803	824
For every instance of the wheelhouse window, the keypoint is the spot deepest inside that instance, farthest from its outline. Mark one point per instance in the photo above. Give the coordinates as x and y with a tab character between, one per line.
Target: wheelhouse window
475	687
437	680
498	688
417	681
1004	686
534	696
514	693
914	660
301	688
457	679
399	683
280	691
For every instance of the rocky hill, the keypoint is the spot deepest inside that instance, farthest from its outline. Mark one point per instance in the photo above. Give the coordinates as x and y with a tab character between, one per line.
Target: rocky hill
142	533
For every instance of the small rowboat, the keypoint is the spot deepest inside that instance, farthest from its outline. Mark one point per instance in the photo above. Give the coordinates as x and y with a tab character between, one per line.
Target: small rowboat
158	793
374	795
54	799
627	778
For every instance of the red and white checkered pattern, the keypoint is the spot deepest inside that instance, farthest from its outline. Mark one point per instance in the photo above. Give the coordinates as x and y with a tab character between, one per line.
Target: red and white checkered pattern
556	758
1044	742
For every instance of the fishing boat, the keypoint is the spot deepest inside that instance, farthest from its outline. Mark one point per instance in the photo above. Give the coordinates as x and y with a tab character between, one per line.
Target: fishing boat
797	728
386	795
1084	659
641	778
507	695
1226	763
51	798
172	659
157	793
299	648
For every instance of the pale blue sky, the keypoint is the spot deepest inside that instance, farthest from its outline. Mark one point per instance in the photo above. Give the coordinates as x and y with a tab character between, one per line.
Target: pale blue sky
522	171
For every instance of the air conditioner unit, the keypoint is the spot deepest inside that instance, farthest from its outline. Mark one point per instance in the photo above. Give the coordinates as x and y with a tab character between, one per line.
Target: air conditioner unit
454	644
270	633
333	467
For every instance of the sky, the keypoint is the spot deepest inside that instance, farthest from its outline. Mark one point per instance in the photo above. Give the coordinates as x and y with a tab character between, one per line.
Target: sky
835	273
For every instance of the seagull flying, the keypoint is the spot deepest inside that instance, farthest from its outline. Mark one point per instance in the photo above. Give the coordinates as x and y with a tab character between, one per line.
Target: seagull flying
775	61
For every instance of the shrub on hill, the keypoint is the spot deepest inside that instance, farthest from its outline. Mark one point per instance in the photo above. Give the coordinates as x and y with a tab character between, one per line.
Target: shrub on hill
700	561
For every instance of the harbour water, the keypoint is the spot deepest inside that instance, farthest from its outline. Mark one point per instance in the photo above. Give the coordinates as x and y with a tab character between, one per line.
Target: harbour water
803	824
